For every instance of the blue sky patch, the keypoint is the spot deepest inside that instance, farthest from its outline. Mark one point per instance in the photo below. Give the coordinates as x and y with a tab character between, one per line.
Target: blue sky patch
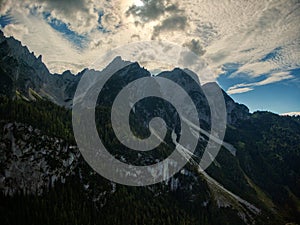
5	20
100	15
100	26
58	25
226	79
275	97
230	68
271	55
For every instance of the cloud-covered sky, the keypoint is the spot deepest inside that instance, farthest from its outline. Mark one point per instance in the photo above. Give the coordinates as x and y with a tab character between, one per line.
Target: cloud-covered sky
247	45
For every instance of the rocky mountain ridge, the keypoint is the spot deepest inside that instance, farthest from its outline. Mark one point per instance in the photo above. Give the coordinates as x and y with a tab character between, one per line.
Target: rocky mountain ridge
29	72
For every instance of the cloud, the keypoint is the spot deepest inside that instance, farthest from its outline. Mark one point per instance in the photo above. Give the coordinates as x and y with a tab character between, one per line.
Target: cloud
166	15
153	10
255	69
194	46
110	21
252	32
291	114
5	6
239	90
68	7
245	87
275	77
261	36
16	30
40	38
78	14
170	24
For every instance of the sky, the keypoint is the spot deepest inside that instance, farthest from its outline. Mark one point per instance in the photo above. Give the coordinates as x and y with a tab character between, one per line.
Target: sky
251	48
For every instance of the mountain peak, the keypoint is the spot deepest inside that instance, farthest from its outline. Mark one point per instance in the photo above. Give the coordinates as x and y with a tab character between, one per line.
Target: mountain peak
2	37
118	60
61	88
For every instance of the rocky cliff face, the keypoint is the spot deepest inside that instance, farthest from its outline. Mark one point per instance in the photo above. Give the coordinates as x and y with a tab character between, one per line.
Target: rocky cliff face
21	71
31	162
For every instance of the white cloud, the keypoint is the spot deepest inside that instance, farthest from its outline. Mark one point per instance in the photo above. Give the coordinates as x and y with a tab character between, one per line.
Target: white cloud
273	78
5	6
256	69
246	31
239	90
240	32
16	30
35	33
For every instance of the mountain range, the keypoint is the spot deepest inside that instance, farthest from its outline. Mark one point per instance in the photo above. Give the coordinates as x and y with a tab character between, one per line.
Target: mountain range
255	179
